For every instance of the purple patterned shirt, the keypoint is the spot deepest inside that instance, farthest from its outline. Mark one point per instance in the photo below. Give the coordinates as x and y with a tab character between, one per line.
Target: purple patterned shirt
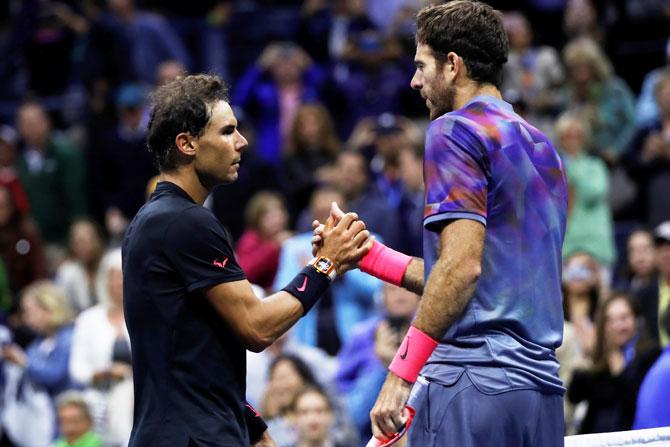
485	163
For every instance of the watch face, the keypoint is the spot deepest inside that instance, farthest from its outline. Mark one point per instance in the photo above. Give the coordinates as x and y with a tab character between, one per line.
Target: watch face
323	264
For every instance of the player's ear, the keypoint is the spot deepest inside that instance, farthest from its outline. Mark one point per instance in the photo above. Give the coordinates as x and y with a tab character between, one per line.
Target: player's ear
186	144
454	66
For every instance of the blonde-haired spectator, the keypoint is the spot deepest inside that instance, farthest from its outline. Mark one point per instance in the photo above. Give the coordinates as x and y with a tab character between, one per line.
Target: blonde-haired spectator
590	227
101	357
38	374
605	101
77	274
257	250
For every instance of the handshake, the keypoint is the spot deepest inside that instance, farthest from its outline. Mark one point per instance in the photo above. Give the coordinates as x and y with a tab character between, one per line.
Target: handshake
343	239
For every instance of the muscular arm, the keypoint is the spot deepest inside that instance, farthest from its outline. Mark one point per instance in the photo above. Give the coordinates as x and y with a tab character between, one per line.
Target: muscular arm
257	323
452	279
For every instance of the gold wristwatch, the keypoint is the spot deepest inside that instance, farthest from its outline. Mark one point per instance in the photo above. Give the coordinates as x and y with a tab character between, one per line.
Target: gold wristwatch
324	265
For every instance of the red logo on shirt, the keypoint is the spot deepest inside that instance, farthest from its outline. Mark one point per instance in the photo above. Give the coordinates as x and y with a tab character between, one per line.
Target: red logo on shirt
253	410
303	286
218	263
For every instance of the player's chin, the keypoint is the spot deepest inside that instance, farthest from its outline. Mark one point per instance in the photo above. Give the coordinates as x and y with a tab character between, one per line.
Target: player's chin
232	177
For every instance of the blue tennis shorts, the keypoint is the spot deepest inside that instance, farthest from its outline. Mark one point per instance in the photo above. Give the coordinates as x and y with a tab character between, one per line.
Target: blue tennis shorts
459	415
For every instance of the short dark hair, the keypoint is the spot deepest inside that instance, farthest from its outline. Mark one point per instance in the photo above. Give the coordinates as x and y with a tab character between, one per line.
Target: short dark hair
471	29
182	105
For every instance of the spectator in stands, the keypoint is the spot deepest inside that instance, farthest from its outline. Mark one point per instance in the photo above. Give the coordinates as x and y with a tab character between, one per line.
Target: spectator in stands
48	43
288	375
39	373
532	74
77	274
100	357
272	91
581	19
365	357
326	27
312	148
581	295
652	402
350	298
352	179
323	365
648	161
381	139
369	81
654	299
201	26
646	109
119	163
267	228
606	102
147	39
621	358
74	422
313	413
20	246
641	270
8	175
590	227
52	171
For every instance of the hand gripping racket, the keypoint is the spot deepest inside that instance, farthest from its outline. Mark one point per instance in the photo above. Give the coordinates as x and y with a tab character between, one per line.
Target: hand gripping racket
416	399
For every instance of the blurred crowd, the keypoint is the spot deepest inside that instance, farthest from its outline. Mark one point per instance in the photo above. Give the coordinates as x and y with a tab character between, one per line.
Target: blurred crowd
321	91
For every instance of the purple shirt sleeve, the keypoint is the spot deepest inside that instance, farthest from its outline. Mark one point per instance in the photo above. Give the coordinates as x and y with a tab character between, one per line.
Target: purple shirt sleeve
456	173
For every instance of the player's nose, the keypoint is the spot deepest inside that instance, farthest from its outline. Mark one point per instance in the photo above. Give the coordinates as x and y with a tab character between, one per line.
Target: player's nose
415	83
241	142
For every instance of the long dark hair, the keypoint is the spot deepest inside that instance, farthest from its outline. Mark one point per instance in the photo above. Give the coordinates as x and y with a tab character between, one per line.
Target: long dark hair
599	355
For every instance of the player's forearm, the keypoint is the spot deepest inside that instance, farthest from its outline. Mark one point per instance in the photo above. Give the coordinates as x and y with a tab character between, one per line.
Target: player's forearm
413	278
271	318
449	288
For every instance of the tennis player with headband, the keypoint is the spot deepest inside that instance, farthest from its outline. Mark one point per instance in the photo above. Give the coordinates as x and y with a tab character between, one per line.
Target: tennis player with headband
490	318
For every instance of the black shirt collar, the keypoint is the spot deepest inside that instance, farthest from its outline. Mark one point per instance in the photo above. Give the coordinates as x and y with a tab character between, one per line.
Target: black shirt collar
170	188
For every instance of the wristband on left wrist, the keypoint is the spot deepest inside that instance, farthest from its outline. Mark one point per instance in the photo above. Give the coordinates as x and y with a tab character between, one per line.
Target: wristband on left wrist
413	353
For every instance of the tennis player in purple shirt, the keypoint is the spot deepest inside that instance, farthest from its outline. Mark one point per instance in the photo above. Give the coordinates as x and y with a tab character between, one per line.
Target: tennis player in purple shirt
490	317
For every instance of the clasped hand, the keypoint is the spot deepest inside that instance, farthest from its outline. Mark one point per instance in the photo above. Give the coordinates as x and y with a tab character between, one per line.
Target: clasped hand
343	239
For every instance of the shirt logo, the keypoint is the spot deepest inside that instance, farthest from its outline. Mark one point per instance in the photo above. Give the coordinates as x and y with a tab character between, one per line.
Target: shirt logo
220	264
404	355
253	410
303	286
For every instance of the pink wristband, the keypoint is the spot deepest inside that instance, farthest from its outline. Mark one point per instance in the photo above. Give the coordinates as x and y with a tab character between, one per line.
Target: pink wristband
385	263
412	354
